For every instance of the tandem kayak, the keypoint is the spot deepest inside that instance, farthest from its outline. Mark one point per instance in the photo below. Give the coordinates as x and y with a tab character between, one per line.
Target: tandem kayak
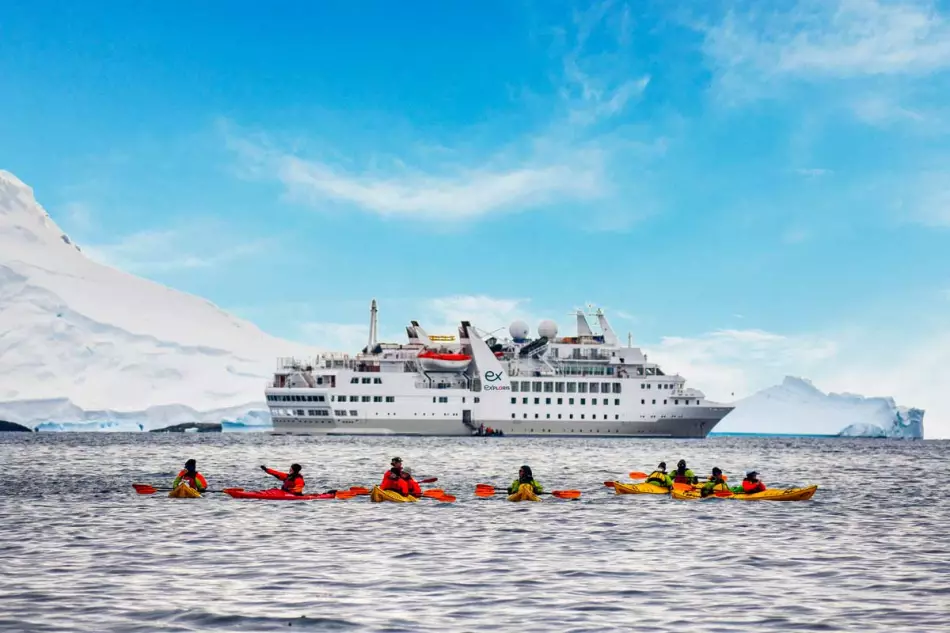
775	494
525	493
184	491
640	489
378	494
274	494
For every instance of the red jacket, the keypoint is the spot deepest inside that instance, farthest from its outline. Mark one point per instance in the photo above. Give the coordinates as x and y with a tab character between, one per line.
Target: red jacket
750	487
394	482
413	487
293	485
197	482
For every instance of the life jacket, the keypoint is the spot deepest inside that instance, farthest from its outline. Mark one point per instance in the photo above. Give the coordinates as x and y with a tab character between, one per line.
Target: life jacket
685	477
394	482
293	484
413	487
659	478
517	483
196	481
712	486
752	487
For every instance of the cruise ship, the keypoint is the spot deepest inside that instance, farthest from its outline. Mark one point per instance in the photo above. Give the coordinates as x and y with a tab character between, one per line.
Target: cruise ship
588	384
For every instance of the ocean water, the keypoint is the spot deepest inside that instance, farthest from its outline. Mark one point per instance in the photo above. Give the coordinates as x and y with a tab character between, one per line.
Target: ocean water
81	551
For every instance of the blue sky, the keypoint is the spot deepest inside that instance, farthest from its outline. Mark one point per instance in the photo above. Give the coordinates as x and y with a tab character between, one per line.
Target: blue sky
766	185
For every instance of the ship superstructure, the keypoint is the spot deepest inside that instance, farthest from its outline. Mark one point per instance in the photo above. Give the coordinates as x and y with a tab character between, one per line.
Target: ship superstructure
589	384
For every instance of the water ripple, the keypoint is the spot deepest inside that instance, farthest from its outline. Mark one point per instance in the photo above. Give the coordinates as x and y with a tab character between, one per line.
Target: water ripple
82	552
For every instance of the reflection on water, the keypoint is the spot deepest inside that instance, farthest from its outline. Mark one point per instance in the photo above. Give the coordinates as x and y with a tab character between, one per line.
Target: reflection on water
82	552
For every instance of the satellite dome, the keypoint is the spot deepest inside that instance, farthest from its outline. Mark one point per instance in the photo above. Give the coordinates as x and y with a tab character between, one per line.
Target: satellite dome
518	330
547	329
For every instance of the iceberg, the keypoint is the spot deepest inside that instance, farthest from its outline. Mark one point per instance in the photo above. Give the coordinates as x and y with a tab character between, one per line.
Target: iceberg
797	407
89	347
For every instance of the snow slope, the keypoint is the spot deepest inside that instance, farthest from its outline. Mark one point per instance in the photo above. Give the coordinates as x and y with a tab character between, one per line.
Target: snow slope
81	342
797	407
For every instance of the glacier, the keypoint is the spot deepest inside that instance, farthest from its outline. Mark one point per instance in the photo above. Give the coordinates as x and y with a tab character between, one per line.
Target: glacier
84	346
798	407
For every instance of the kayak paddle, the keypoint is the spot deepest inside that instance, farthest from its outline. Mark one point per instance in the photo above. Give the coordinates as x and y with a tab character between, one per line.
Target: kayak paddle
486	490
145	489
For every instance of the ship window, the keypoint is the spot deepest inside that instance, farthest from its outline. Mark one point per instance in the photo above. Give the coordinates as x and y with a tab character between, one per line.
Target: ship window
352	413
321	399
582	416
582	387
377	398
548	387
433	398
654	402
664	402
443	399
525	385
571	416
514	385
514	400
365	398
593	400
548	416
536	386
617	386
512	416
559	387
560	400
354	398
583	400
339	412
616	417
354	381
570	400
525	416
366	381
572	387
537	400
676	402
463	399
616	402
535	416
643	386
390	398
594	387
558	416
643	402
477	399
377	381
547	401
524	401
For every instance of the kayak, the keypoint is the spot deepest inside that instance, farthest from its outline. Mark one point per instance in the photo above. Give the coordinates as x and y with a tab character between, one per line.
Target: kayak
640	489
274	494
525	493
184	491
774	494
378	494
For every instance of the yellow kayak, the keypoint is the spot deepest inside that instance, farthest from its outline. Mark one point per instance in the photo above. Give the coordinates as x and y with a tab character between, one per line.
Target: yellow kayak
378	494
525	493
775	494
639	489
184	491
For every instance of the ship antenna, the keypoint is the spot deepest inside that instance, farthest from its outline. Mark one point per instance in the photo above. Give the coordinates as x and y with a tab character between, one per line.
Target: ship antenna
372	327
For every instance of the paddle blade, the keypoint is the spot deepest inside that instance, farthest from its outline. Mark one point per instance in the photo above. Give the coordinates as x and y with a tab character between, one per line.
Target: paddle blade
446	498
638	475
566	494
435	493
484	492
145	489
359	490
681	487
430	480
230	490
345	494
610	484
484	486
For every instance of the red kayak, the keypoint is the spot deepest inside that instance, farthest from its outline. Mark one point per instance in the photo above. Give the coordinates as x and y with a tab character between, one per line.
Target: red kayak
274	494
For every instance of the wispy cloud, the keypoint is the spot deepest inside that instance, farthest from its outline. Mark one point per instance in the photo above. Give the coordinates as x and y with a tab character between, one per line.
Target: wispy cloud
342	337
168	250
813	172
930	197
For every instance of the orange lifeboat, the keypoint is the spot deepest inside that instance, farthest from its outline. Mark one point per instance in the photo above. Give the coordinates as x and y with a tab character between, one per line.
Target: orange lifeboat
439	361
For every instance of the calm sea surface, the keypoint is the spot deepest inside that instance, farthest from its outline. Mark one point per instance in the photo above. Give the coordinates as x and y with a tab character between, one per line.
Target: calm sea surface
81	551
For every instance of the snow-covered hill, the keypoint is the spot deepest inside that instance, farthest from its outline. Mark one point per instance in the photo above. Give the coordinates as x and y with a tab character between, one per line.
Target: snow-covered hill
797	407
81	342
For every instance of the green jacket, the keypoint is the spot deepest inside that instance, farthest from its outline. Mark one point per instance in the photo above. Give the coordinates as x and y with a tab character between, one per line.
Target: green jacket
513	488
711	487
660	478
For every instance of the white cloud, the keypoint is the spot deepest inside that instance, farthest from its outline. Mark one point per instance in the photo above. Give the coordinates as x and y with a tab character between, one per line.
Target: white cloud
835	39
197	246
342	337
882	111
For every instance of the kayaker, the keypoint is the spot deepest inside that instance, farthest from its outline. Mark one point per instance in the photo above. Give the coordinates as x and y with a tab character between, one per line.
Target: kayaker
190	475
683	475
525	477
392	478
660	477
714	484
751	484
293	481
411	484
